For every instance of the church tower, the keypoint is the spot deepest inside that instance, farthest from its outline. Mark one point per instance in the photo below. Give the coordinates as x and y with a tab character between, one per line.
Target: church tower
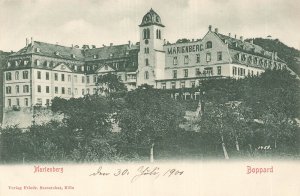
151	56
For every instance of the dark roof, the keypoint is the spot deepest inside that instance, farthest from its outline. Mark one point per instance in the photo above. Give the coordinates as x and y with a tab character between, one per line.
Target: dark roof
107	52
151	18
51	50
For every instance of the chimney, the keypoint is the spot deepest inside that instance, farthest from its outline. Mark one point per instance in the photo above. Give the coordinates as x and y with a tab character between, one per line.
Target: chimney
251	41
241	38
209	27
235	36
229	34
72	46
32	42
103	45
111	44
26	42
129	43
216	30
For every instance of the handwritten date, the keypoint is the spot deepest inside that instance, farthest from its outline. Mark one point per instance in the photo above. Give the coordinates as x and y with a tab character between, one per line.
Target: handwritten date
140	172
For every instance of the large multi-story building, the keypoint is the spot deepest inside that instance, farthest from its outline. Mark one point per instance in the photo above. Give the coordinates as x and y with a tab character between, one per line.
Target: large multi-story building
40	71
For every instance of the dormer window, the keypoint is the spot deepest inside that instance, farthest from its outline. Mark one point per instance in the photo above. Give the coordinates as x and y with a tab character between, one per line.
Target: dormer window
16	63
127	53
111	55
37	62
82	68
25	62
37	50
73	56
8	64
94	56
57	53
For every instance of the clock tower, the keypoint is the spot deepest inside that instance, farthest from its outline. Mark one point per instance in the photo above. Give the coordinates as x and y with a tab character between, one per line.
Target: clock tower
151	56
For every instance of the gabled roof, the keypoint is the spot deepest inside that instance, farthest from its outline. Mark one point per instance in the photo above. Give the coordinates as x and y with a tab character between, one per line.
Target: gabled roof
51	50
247	47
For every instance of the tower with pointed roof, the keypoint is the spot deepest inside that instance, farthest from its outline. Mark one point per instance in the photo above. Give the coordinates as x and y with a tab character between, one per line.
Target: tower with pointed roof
151	56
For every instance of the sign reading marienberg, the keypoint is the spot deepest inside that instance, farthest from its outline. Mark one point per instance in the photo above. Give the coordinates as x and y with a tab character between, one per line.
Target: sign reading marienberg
183	49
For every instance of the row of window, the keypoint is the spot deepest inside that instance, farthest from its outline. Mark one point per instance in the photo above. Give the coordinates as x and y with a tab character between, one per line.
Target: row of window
17	103
17	89
206	72
187	59
258	61
8	75
173	85
237	71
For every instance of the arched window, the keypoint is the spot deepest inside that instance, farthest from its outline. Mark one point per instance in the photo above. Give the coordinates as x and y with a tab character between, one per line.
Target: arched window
145	34
146	75
209	44
158	34
147	62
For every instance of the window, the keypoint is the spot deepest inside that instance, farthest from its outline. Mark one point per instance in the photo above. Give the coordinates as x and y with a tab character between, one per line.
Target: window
146	76
56	90
8	90
186	73
209	44
47	89
9	102
69	91
25	88
208	57
193	84
25	74
94	79
219	56
39	89
76	91
47	76
173	85
69	78
62	90
186	59
163	85
88	79
106	67
16	75
252	73
197	72
75	78
39	101
146	33
8	75
17	63
18	102
147	62
158	34
62	77
208	71
82	91
82	68
26	101
175	61
197	58
94	91
17	89
47	102
174	74
39	75
219	70
88	91
146	50
8	64
83	79
243	57
56	76
182	84
37	62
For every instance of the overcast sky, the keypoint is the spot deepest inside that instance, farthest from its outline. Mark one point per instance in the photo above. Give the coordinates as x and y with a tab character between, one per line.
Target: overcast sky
116	21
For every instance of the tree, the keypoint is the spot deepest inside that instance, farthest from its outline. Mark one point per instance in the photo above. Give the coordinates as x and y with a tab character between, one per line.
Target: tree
109	83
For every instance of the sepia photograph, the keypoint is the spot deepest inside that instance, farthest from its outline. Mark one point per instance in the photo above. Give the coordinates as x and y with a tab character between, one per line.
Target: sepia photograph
149	91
